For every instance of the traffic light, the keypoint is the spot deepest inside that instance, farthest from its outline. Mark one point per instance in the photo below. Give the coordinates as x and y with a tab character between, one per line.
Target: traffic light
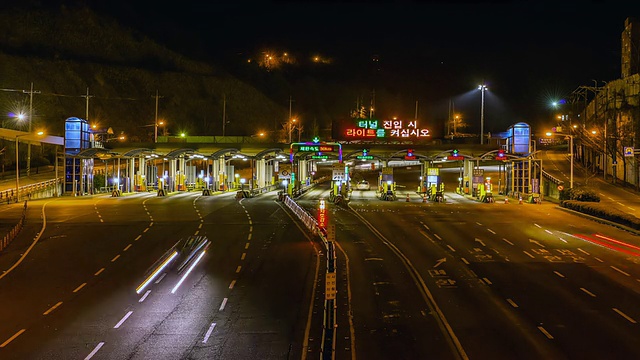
409	155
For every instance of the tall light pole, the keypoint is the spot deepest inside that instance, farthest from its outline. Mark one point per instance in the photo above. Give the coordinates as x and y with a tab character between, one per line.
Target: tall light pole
482	89
570	154
18	167
291	128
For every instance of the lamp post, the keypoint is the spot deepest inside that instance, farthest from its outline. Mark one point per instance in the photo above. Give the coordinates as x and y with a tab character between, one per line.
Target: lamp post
570	154
291	128
482	89
18	167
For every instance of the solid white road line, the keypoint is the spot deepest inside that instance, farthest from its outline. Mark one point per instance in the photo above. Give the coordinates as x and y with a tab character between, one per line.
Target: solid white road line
144	296
224	303
95	350
123	319
206	336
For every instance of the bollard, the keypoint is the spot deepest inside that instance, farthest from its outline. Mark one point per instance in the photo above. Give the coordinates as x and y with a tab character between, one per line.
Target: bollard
407	197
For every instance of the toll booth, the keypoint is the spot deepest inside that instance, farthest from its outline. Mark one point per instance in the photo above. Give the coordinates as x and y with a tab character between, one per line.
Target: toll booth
78	176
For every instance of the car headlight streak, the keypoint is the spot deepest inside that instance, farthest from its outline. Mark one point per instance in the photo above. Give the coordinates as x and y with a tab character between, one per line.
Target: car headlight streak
156	272
187	273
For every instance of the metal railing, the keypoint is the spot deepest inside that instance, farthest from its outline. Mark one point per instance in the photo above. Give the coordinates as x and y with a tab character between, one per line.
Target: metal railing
28	191
8	238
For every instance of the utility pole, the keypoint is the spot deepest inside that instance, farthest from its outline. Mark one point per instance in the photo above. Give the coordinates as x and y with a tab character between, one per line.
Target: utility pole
290	121
373	104
30	92
155	132
224	113
416	115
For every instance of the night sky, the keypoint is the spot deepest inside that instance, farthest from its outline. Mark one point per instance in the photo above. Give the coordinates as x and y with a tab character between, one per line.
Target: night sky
528	53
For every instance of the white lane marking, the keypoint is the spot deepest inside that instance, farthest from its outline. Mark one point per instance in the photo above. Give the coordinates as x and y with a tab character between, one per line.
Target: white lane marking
557	273
531	256
250	228
513	303
244	255
250	222
145	230
200	226
79	287
127	248
95	350
12	338
144	296
450	248
249	237
233	283
491	231
620	271
507	241
206	336
621	203
224	303
487	281
123	319
52	308
465	261
151	224
161	277
537	225
564	240
631	320
138	238
238	269
588	292
115	258
598	259
437	236
584	252
549	232
426	227
246	246
98	272
478	223
545	332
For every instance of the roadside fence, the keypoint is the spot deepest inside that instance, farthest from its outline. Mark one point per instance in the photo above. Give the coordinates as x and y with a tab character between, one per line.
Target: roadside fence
7	239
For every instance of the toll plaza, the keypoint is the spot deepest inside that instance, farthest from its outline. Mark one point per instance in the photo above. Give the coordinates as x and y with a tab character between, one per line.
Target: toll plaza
210	164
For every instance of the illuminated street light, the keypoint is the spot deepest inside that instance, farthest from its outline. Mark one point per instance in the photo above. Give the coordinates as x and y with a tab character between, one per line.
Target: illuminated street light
482	88
570	153
40	133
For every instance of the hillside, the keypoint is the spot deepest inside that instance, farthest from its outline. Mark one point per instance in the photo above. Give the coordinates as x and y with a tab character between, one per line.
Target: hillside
65	50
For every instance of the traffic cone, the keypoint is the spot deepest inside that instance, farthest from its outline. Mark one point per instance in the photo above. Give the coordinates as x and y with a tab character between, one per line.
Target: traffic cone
407	197
506	200
424	198
520	200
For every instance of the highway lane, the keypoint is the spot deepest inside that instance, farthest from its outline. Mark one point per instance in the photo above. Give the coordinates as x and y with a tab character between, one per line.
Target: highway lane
525	281
244	298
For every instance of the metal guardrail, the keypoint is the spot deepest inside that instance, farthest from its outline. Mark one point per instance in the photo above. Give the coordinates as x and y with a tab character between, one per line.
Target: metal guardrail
7	239
329	323
27	190
552	178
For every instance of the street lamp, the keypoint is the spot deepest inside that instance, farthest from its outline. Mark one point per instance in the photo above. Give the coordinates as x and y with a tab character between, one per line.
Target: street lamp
291	128
570	154
17	167
482	89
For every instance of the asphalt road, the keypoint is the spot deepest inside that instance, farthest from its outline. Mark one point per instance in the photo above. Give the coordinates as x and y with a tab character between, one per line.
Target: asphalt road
453	280
73	295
